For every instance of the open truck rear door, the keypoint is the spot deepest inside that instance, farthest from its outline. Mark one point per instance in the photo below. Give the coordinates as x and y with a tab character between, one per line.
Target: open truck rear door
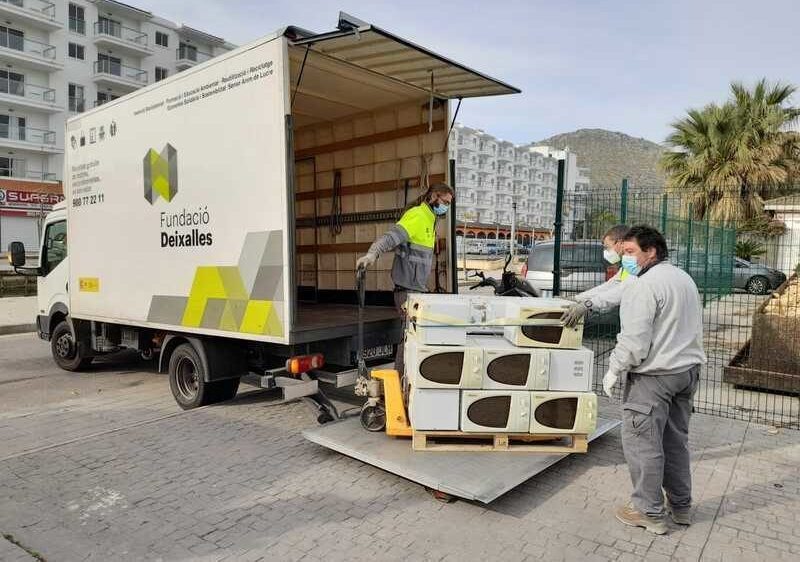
372	48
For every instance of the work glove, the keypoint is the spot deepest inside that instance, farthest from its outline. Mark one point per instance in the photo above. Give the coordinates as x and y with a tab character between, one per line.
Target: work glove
573	314
609	381
365	261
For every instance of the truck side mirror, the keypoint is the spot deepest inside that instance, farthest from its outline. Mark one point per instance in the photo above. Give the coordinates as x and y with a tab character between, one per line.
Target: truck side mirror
16	254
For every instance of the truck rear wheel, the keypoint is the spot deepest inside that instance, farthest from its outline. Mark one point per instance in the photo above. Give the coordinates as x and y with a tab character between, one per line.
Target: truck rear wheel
187	380
65	349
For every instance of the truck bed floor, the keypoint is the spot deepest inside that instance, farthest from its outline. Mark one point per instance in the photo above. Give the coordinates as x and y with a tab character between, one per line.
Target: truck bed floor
317	321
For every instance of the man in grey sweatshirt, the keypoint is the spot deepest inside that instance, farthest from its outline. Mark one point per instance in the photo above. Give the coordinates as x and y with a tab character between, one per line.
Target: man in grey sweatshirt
659	353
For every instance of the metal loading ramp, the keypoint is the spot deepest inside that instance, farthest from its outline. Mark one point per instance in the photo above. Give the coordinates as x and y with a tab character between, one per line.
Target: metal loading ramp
483	476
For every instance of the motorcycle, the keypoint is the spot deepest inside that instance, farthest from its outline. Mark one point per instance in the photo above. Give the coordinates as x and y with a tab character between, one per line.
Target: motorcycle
509	285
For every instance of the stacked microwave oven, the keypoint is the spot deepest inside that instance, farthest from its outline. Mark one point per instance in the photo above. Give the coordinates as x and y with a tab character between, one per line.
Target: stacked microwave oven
497	364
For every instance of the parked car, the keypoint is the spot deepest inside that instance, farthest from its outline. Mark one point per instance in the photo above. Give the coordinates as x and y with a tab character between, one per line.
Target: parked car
582	266
712	272
755	278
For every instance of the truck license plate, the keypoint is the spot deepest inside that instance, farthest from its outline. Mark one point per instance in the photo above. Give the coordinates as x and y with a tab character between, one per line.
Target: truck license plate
377	352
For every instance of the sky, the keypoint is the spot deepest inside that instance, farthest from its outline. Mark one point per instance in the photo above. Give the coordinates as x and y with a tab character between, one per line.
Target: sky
624	65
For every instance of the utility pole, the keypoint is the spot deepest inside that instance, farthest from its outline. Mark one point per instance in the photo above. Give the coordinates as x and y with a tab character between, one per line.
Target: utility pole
464	248
513	228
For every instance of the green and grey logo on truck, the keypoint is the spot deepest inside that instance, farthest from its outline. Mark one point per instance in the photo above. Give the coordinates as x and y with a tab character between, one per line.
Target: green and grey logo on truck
160	174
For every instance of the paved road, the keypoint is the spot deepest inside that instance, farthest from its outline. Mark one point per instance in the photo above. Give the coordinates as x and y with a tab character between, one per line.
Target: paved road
123	474
30	379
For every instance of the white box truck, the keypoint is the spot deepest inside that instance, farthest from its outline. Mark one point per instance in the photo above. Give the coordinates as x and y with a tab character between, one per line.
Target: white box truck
214	218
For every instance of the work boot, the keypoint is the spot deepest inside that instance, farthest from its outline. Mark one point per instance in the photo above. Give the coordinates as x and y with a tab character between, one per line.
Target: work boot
630	516
680	517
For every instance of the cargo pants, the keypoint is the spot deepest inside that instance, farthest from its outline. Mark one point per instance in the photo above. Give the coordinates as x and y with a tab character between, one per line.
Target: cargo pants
400	296
655	439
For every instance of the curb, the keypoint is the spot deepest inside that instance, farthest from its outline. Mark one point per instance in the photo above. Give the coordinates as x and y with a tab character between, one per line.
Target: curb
17	329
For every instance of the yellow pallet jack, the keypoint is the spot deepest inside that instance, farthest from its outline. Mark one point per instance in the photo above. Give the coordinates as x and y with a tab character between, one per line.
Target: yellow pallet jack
385	408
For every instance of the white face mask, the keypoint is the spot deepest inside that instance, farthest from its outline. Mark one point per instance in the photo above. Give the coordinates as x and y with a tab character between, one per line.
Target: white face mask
611	256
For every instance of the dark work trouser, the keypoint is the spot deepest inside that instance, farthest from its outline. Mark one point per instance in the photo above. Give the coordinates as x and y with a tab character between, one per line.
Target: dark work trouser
400	296
655	439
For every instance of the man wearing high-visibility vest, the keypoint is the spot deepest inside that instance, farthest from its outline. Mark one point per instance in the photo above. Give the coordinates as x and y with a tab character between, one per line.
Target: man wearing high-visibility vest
607	296
412	239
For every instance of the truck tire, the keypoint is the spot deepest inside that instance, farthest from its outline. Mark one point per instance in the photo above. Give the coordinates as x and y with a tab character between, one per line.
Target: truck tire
187	380
65	350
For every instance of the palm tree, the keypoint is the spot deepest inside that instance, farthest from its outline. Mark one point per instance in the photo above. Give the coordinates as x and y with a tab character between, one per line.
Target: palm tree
726	158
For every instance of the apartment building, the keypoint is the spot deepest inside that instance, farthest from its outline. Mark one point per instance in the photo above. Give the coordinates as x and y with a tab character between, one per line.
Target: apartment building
58	58
492	174
577	186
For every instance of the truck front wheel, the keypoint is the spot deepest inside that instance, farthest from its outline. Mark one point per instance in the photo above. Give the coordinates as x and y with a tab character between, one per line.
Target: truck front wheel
65	349
187	380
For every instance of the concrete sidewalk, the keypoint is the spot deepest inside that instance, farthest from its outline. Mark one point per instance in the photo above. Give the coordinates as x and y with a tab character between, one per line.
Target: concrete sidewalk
17	315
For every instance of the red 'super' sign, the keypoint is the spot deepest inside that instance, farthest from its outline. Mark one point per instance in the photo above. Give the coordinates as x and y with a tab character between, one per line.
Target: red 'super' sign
14	199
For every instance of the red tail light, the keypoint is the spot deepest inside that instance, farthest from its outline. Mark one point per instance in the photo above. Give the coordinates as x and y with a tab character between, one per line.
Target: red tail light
304	363
525	270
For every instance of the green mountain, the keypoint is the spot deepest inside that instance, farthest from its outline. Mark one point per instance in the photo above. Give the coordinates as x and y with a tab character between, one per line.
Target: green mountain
612	156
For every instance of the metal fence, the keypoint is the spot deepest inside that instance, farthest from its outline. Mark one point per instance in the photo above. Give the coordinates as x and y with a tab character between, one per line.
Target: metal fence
746	272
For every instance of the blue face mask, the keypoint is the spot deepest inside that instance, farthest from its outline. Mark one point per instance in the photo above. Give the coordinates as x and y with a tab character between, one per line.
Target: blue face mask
630	265
440	209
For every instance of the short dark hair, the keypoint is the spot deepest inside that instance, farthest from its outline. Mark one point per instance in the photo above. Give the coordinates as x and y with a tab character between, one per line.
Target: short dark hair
617	233
648	237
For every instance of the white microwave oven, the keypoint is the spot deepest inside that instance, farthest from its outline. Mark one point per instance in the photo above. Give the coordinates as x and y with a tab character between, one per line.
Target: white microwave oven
563	412
507	367
495	411
443	366
540	325
433	409
444	319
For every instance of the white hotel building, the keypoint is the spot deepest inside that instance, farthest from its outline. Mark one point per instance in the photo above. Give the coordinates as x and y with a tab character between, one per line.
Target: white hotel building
491	174
60	57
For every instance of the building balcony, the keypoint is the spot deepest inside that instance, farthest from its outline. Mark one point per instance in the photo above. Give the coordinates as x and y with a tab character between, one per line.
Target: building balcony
111	35
28	138
110	74
188	57
30	53
24	96
35	13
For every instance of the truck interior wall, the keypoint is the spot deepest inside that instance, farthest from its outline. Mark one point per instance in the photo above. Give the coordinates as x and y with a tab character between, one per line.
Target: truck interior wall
355	173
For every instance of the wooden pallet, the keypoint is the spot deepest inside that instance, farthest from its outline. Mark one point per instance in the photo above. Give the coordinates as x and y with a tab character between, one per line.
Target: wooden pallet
523	442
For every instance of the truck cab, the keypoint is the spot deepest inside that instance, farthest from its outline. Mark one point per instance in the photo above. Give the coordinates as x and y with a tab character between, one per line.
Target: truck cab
52	300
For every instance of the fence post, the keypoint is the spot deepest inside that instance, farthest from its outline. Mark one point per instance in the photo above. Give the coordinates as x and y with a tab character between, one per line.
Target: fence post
623	206
689	237
705	262
557	225
664	214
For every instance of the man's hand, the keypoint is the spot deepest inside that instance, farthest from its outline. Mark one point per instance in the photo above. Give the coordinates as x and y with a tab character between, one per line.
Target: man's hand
573	314
365	261
609	381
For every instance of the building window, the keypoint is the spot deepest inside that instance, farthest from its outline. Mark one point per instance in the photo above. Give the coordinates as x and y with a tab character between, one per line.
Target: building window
162	39
76	96
161	73
12	83
77	19
103	97
12	38
107	26
77	51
